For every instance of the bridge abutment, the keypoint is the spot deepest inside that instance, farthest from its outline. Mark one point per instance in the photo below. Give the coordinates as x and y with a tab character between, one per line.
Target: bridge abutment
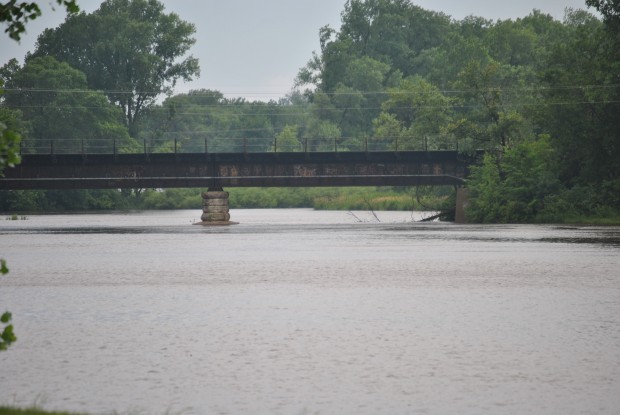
215	208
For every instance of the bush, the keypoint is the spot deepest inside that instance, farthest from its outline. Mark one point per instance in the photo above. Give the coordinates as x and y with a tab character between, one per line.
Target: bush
513	186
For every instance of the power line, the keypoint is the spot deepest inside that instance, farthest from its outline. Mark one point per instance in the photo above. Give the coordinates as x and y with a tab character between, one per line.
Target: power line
333	93
310	109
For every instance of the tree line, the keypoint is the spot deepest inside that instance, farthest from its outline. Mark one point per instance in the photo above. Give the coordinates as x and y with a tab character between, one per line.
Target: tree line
541	96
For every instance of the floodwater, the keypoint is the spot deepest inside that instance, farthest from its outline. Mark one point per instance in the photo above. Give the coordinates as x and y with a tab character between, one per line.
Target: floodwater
304	312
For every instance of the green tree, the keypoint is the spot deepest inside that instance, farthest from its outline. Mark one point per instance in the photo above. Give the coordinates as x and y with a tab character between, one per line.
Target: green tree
7	336
53	97
130	49
193	121
15	15
377	44
512	187
9	150
485	191
388	131
420	111
326	70
610	9
9	139
511	43
9	156
491	98
582	102
320	135
391	31
548	32
441	65
287	139
204	120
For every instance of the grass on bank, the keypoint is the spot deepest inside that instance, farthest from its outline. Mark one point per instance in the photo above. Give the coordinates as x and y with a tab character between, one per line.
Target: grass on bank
320	198
326	198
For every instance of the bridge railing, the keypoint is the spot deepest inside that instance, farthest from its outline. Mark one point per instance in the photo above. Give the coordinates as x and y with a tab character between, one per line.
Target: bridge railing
194	144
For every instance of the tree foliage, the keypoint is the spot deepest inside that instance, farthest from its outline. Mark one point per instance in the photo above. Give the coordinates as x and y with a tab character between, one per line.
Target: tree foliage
513	186
287	139
130	49
415	112
16	14
497	86
610	9
9	139
7	336
62	114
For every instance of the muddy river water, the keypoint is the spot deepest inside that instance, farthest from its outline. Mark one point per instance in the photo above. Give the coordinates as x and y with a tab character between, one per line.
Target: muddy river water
305	312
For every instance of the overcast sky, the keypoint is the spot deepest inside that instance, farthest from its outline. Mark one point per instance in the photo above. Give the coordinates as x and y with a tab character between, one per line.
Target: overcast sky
254	48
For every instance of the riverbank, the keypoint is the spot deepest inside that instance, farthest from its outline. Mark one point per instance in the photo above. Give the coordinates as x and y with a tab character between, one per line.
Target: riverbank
325	198
17	205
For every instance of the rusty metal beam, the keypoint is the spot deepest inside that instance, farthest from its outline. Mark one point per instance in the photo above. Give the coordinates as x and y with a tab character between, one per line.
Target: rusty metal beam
237	170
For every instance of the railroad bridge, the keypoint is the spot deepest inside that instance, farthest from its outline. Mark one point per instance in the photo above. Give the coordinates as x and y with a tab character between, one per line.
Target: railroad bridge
216	171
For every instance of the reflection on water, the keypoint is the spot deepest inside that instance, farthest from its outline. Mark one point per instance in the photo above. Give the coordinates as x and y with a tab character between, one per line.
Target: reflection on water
297	311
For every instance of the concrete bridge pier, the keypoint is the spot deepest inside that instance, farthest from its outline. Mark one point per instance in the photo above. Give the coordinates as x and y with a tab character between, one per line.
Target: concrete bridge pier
215	209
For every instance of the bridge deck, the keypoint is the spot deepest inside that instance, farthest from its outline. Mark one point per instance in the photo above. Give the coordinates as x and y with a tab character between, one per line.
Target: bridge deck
299	169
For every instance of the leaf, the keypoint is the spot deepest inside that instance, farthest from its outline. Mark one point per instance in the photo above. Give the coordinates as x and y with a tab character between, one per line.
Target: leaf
6	317
7	336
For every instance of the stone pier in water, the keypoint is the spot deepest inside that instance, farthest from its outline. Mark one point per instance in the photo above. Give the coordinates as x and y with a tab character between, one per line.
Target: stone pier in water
215	209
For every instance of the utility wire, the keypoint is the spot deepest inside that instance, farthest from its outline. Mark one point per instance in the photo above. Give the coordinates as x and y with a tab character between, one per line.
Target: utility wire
310	109
334	93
